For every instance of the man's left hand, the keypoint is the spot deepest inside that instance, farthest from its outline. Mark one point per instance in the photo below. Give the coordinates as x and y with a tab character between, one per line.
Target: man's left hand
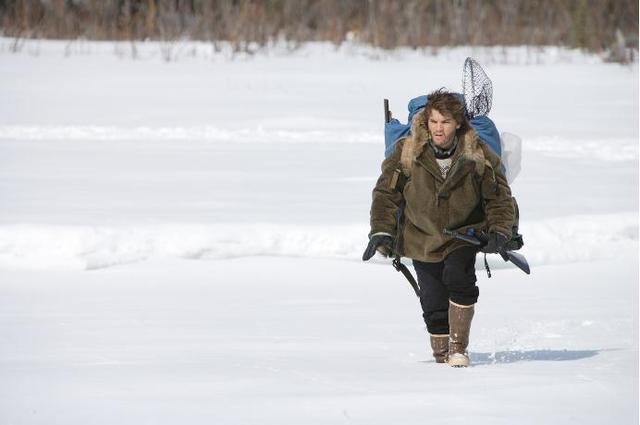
495	243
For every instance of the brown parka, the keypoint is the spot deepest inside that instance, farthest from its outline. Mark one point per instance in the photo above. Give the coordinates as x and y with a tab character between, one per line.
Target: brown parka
475	194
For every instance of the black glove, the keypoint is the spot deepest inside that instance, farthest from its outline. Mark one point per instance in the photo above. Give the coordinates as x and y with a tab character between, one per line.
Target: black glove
382	243
495	243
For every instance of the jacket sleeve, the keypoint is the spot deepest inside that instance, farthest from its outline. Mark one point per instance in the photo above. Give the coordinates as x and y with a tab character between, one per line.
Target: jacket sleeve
496	194
386	198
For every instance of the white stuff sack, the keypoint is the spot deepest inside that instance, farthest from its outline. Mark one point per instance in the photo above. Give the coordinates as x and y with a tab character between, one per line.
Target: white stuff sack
511	154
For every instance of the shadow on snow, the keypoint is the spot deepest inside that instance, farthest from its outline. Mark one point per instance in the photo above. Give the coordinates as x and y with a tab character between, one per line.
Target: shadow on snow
532	355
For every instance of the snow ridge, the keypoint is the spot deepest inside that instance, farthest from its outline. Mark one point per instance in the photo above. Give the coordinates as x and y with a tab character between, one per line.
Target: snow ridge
613	149
550	241
207	133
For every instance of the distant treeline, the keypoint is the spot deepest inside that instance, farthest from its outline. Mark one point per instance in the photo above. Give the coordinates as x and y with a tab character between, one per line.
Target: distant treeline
595	25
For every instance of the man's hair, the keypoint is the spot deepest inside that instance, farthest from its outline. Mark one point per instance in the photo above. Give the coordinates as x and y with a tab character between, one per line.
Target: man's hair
448	103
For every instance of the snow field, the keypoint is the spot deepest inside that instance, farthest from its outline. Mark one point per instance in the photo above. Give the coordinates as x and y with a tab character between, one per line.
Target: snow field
180	241
273	340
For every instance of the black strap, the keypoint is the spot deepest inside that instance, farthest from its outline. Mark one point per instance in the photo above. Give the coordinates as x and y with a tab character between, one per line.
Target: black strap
486	265
397	264
397	249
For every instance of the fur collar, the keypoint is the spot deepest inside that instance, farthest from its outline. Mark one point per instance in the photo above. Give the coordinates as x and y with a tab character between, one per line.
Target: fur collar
468	149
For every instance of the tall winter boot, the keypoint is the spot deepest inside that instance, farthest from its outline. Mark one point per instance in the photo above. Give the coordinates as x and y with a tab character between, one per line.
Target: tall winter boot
440	347
459	327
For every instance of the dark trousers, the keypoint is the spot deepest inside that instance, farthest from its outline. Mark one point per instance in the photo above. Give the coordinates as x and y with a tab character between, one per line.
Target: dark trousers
452	279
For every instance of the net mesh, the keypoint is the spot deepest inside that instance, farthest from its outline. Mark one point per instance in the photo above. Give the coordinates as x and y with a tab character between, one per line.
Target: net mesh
477	88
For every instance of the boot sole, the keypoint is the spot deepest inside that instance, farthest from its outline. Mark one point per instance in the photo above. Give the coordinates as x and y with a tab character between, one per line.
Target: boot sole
458	360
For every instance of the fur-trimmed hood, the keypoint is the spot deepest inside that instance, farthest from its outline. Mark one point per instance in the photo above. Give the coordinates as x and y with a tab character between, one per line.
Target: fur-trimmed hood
469	144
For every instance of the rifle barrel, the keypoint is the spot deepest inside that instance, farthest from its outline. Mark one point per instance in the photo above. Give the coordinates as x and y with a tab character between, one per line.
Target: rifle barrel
470	239
387	112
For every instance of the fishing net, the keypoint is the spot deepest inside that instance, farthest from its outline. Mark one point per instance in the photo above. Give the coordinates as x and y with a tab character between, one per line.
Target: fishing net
477	88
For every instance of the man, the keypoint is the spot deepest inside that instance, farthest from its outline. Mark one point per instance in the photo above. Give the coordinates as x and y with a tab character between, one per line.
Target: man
446	178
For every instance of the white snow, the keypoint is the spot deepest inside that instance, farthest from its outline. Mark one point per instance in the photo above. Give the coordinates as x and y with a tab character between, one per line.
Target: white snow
180	241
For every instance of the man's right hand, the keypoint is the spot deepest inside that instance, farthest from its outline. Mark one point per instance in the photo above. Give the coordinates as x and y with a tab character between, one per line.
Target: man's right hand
381	242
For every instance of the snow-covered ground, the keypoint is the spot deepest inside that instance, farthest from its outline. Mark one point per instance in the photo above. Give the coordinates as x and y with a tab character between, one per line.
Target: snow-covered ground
181	241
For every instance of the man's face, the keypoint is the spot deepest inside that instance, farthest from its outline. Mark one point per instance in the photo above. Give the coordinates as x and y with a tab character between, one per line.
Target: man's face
442	128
